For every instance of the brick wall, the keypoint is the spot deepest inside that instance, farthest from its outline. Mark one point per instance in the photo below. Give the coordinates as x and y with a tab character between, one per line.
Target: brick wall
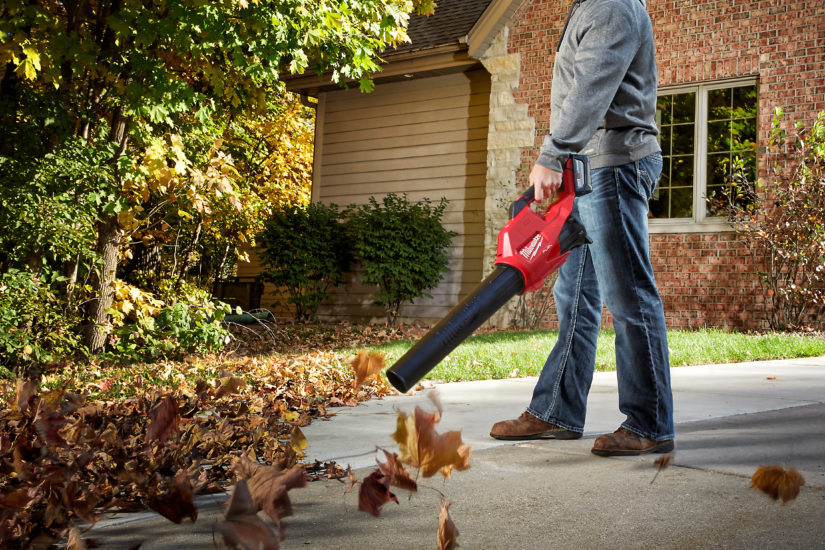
706	279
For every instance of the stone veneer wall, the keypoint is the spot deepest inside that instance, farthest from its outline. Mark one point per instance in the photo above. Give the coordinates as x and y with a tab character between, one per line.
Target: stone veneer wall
511	131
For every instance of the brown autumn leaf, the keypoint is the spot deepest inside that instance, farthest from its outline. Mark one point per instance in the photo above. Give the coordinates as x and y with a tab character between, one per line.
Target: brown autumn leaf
269	486
366	365
447	532
229	384
422	446
163	419
352	479
396	473
26	390
662	462
178	502
374	493
243	528
777	482
18	499
48	429
75	540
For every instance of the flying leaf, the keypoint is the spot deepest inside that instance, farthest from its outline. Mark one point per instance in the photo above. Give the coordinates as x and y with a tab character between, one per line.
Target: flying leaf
397	475
352	479
163	419
366	365
662	463
243	528
25	392
269	486
48	429
374	493
75	540
777	482
177	503
422	446
447	532
298	441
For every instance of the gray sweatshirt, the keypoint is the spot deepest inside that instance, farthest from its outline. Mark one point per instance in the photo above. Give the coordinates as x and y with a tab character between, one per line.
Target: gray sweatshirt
603	97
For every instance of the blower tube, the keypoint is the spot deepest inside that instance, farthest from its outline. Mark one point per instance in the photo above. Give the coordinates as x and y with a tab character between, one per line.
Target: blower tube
469	314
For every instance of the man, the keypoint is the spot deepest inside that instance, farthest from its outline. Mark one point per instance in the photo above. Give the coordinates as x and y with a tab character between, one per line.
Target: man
603	103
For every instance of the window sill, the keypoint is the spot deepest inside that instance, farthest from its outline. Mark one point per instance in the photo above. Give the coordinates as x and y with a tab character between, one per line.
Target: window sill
688	226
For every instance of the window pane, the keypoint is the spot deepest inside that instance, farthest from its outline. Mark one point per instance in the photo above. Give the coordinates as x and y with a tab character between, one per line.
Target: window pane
682	171
681	205
663	110
743	134
719	104
731	134
718	136
744	98
665	139
683	139
659	204
684	107
718	169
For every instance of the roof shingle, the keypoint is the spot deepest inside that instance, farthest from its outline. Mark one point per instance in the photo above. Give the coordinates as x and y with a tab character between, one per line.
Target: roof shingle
450	22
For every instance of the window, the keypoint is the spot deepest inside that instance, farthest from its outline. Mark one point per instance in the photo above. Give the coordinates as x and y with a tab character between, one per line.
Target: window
705	131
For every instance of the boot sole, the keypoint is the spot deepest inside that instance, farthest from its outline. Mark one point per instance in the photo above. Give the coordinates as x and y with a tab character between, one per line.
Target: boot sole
663	447
555	434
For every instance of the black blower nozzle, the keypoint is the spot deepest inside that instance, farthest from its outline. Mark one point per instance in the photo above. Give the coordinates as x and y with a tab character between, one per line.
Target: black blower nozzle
492	293
530	247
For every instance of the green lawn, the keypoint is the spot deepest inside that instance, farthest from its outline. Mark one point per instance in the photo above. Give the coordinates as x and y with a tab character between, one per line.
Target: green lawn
522	353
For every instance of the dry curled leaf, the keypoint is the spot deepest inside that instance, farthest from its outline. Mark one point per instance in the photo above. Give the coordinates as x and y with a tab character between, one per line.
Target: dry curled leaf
178	502
777	482
352	480
243	528
298	441
163	419
447	532
75	540
422	446
269	486
366	365
396	473
26	390
374	493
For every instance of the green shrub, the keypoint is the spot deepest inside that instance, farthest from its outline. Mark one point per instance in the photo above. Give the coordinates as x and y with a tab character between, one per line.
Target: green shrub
306	251
34	328
175	330
784	222
402	247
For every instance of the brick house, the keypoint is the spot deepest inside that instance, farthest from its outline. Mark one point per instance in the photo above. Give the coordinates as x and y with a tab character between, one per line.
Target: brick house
462	111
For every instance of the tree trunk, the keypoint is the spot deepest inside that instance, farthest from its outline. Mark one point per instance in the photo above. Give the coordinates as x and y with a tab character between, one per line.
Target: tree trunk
108	240
187	259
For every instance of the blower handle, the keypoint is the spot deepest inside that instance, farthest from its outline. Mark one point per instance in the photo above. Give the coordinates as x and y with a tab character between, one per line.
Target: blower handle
577	169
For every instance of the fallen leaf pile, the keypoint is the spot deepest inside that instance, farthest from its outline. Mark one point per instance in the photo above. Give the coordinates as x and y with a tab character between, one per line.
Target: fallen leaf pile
66	458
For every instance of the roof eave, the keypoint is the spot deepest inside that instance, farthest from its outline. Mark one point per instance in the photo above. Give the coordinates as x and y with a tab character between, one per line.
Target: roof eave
410	62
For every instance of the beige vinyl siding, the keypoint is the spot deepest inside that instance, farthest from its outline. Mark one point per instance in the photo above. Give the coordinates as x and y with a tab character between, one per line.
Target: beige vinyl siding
426	138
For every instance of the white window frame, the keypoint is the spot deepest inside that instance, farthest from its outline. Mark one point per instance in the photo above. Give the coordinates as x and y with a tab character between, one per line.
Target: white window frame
700	222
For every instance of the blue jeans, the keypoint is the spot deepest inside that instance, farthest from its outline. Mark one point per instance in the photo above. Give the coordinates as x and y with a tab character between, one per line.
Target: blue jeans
615	269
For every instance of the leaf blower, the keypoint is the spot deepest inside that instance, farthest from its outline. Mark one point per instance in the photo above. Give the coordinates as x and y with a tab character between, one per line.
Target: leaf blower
530	247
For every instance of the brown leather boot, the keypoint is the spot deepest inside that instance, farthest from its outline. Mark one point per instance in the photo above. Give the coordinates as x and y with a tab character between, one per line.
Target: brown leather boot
528	426
623	442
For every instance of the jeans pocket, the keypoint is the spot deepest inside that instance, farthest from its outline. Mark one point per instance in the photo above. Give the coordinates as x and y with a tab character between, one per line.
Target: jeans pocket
649	170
